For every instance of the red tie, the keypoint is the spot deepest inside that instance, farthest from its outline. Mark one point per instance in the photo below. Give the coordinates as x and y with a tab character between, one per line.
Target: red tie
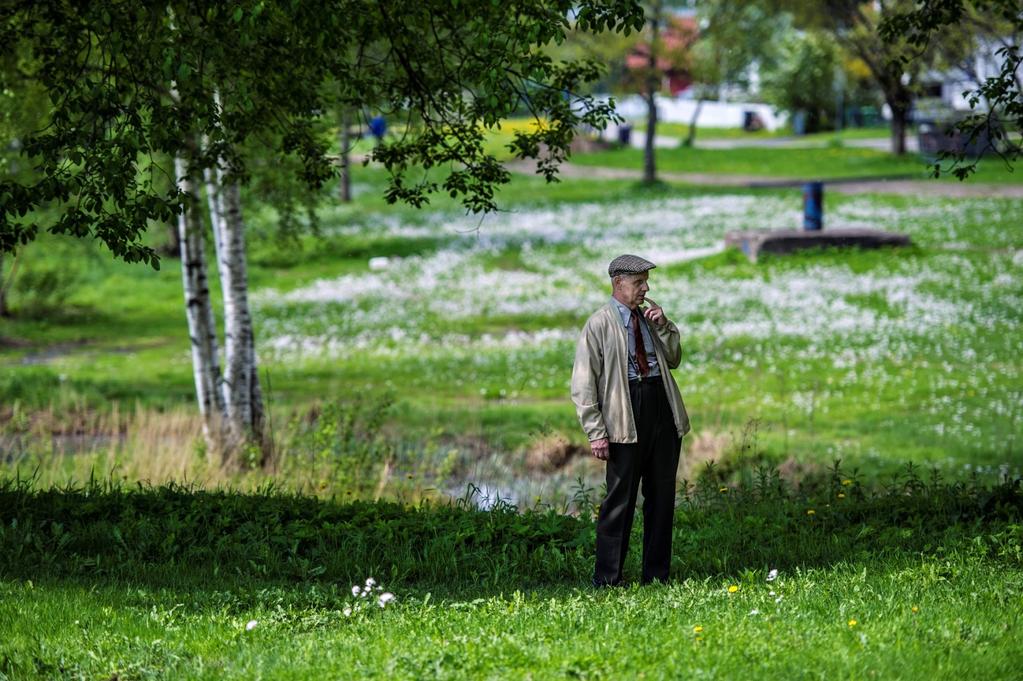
641	362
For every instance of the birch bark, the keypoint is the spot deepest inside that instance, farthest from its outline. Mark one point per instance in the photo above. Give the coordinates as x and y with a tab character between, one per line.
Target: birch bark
243	397
202	330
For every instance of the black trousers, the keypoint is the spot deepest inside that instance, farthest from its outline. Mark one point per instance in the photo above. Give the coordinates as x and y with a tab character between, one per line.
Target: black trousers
652	460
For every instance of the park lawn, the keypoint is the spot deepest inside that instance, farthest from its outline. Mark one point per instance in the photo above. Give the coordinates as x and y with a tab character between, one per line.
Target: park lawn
849	620
681	130
922	581
823	163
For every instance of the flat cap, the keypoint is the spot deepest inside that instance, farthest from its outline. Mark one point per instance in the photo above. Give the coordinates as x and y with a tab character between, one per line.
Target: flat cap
629	264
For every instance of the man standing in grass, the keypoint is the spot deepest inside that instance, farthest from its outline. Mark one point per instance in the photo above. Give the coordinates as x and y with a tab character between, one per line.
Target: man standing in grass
631	411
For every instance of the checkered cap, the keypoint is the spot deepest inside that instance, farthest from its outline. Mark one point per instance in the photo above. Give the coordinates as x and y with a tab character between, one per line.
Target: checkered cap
629	264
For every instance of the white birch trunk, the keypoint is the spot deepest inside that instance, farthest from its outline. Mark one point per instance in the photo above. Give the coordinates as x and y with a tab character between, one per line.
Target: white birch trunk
202	329
243	397
216	210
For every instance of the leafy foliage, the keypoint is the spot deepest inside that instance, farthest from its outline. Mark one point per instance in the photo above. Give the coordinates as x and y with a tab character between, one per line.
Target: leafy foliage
120	104
803	78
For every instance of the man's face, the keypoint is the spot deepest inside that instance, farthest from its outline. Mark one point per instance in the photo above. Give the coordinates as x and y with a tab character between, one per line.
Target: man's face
631	289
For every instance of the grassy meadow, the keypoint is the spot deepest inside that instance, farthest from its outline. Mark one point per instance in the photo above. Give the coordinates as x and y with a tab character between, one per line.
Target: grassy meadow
459	336
416	365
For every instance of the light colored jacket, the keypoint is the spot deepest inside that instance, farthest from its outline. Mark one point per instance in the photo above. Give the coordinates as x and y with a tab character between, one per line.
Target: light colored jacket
600	377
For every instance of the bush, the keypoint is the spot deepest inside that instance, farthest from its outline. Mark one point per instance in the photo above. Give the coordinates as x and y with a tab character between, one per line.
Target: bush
803	80
43	283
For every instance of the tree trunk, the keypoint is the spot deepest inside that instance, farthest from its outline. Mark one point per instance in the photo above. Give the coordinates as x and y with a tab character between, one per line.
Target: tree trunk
173	247
691	137
899	98
898	132
6	282
199	310
899	104
243	377
346	146
653	81
242	394
3	290
213	203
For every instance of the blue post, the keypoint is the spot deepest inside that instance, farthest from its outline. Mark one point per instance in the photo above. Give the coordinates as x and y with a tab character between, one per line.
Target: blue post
813	206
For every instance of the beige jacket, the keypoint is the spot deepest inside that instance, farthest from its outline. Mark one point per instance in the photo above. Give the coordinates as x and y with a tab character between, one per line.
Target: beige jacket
600	377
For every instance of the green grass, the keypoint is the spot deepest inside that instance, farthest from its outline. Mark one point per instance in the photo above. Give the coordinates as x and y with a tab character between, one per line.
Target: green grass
963	628
766	162
923	580
829	162
681	130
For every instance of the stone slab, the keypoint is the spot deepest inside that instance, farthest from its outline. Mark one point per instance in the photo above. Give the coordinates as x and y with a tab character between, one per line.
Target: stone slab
782	241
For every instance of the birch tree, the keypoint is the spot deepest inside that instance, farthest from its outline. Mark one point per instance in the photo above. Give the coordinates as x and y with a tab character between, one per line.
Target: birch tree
242	398
202	329
242	395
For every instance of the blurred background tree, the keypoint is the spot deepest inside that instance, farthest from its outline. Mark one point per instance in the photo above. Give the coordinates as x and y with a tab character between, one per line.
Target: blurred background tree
963	27
802	81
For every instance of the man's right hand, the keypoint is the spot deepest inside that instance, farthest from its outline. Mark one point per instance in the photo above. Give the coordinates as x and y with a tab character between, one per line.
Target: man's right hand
599	448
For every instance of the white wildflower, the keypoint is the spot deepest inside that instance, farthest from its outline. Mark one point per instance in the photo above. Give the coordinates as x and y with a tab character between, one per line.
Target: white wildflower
385	598
370	582
347	611
251	625
772	575
356	590
754	611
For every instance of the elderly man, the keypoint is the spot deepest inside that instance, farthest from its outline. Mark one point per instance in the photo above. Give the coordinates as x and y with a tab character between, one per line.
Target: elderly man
633	415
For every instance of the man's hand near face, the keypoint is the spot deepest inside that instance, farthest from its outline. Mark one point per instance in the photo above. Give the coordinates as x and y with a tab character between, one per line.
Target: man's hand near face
654	314
599	448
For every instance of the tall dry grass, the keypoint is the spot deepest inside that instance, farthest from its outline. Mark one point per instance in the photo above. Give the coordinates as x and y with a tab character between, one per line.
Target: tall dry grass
327	450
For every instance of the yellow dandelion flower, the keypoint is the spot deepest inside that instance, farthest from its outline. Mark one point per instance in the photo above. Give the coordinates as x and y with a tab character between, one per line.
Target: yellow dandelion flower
915	609
810	511
841	495
847	482
723	489
697	629
732	589
852	623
